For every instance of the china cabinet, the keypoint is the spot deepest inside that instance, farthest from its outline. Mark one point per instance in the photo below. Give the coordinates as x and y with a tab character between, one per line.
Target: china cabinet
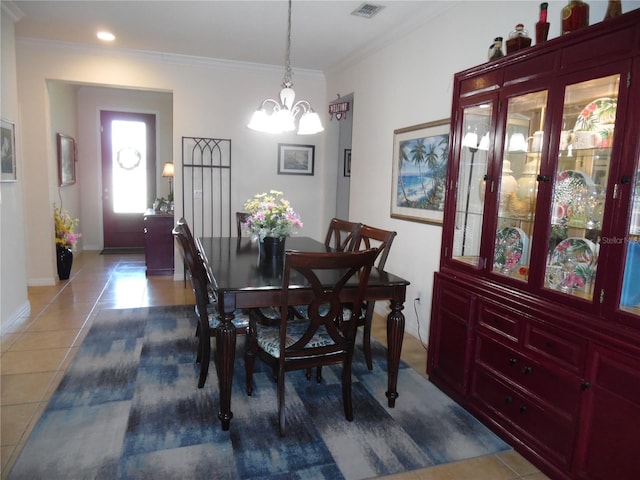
535	325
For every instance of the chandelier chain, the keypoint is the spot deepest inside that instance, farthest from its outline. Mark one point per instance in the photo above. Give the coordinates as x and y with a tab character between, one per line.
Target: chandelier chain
287	72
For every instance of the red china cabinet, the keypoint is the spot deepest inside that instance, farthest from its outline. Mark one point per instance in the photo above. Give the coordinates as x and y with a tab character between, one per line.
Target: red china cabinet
535	326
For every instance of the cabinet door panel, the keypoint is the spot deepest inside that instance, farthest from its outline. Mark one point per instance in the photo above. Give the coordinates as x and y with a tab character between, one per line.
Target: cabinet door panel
611	420
469	210
525	141
449	352
580	186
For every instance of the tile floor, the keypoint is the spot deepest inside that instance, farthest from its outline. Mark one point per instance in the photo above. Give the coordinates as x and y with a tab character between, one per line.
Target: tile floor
36	349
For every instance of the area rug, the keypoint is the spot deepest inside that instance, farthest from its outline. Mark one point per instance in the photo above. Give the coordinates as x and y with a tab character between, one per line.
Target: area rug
128	408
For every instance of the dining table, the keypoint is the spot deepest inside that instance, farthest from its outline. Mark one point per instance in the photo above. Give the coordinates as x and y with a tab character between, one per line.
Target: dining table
243	279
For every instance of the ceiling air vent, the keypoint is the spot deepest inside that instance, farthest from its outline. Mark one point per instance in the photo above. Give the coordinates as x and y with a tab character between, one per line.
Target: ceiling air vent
367	10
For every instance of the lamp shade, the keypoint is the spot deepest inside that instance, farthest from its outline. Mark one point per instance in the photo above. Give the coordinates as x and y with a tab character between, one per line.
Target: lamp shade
167	170
470	140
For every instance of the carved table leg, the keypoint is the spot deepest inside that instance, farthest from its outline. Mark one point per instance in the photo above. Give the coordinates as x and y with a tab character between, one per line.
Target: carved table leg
395	334
225	353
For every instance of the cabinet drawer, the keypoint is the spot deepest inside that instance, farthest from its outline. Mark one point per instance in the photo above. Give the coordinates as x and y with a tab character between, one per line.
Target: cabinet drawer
556	344
548	433
560	392
455	301
501	321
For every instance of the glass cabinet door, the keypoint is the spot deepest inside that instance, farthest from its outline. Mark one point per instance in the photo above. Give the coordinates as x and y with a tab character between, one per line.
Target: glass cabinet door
579	189
630	298
472	170
518	184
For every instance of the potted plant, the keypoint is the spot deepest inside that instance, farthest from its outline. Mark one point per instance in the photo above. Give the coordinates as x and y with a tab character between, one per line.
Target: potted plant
66	240
271	219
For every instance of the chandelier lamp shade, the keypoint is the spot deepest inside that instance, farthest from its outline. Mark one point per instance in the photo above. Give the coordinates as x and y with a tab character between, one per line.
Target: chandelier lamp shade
273	116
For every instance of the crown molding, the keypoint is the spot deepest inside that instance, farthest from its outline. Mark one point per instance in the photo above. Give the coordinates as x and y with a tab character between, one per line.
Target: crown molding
162	57
11	9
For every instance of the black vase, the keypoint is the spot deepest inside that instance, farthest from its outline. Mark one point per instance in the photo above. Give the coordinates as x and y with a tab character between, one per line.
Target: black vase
272	247
64	260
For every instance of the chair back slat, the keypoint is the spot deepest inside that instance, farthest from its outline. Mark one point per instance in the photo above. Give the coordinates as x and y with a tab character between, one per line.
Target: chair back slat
370	237
195	266
241	219
341	235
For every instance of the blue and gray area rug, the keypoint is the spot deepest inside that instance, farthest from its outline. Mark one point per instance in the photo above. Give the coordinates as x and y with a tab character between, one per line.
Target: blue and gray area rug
129	408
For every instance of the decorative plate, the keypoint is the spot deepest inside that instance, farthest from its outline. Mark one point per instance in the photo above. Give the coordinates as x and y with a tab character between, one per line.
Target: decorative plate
575	257
569	185
596	115
510	249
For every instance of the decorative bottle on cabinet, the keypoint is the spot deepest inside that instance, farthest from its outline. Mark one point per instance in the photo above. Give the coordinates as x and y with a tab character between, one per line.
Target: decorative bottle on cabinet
542	26
495	50
575	15
613	9
518	39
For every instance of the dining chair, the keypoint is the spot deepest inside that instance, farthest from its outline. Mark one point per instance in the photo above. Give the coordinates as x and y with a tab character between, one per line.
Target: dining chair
205	308
182	221
341	234
323	338
241	218
366	238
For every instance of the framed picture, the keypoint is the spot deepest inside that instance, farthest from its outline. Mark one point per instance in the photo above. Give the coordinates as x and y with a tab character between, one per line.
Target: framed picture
347	162
66	160
295	159
420	158
8	144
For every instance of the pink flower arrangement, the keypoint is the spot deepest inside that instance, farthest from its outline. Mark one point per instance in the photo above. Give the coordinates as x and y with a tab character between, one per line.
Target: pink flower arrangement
270	215
64	225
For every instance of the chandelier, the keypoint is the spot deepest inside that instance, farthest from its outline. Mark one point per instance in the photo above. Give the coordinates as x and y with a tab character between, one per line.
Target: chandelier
282	116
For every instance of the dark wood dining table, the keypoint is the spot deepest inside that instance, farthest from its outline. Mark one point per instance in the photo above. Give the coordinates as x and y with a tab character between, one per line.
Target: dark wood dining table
244	280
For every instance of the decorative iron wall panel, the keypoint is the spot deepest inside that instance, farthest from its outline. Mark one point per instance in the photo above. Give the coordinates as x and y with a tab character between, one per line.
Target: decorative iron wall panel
206	186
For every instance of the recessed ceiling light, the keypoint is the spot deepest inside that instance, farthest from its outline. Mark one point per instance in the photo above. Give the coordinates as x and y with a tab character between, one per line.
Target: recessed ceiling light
106	36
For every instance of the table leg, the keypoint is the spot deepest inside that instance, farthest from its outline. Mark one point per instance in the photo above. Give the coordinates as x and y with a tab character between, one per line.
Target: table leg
225	355
395	334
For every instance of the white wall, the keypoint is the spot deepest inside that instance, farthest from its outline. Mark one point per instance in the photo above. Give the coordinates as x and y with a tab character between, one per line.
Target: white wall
407	83
13	266
210	99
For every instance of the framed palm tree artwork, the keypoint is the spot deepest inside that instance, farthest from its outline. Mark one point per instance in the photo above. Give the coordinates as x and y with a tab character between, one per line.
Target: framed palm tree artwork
420	157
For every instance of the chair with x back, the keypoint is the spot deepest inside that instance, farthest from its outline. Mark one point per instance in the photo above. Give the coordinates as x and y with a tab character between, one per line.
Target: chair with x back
341	234
205	309
370	237
297	344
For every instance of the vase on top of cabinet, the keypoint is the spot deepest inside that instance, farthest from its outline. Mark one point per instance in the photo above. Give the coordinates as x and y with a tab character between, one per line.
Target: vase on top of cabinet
543	340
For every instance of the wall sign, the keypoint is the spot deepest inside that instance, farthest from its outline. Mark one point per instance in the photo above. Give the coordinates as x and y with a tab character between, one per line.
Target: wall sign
339	110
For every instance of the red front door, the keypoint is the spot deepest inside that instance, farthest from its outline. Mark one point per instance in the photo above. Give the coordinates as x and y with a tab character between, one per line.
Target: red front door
128	175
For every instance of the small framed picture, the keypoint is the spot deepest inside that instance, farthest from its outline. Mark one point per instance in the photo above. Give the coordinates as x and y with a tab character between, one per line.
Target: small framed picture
295	159
66	160
347	162
8	144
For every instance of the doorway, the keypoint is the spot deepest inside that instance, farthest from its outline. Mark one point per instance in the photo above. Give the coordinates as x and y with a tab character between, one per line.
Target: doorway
128	146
